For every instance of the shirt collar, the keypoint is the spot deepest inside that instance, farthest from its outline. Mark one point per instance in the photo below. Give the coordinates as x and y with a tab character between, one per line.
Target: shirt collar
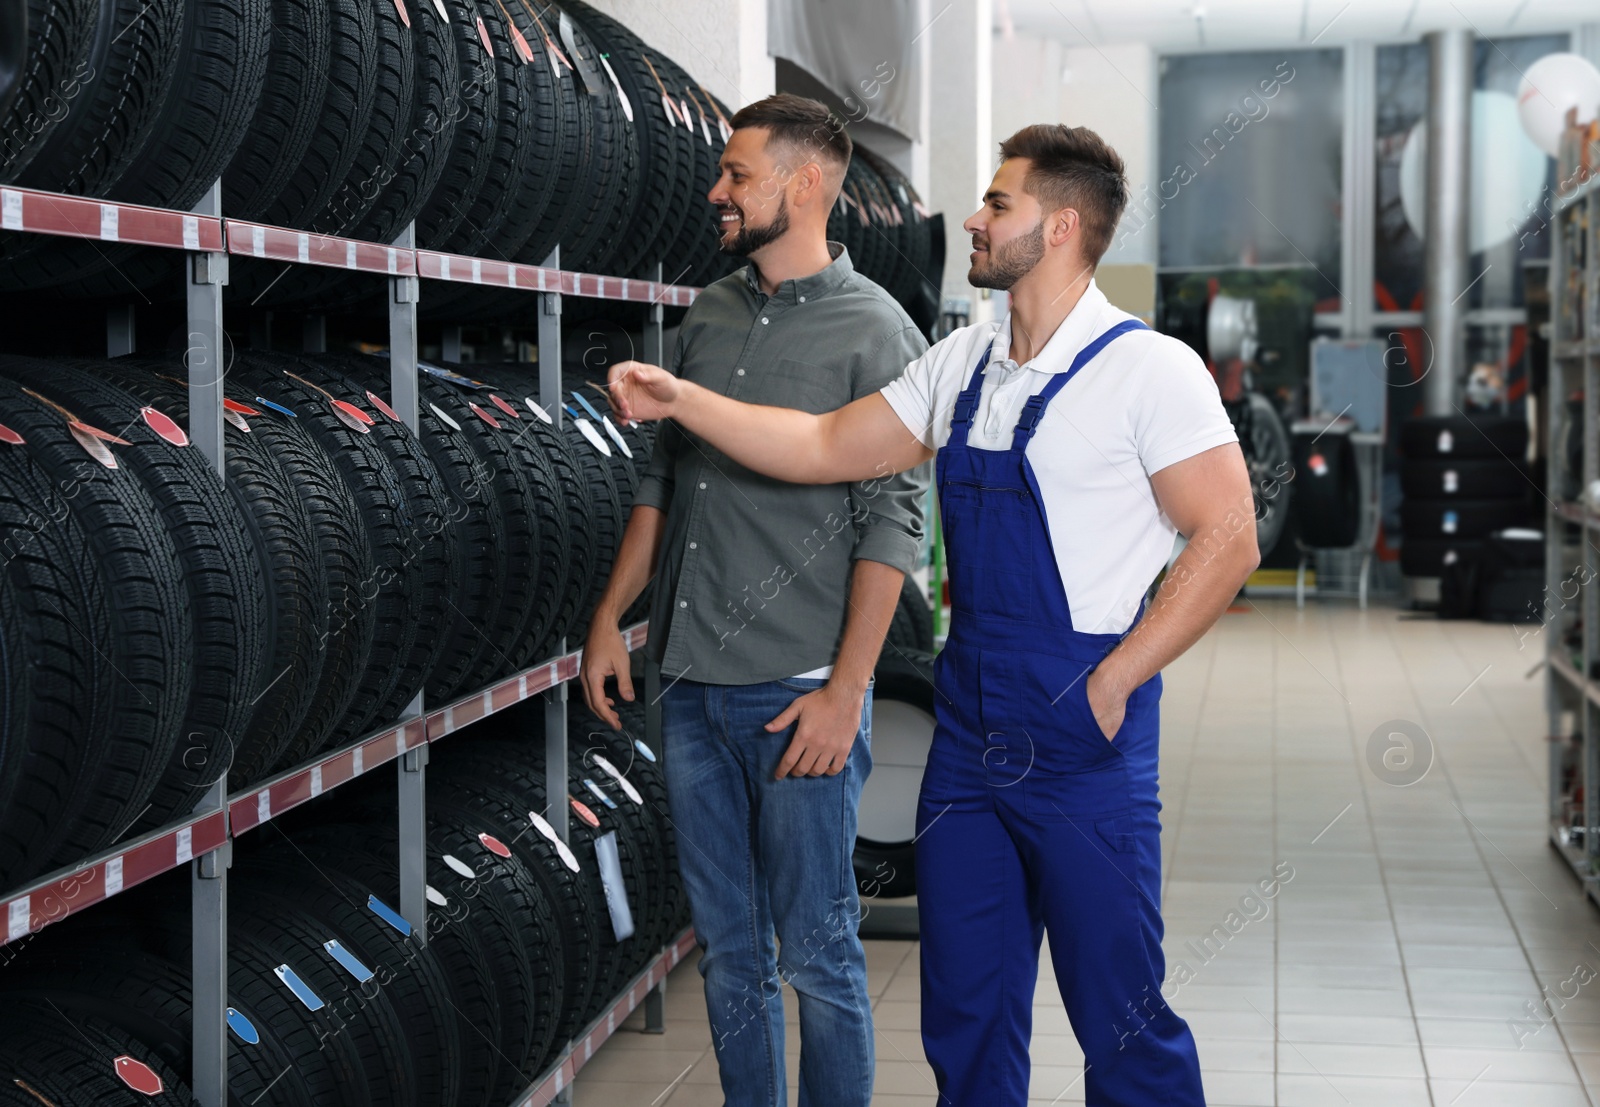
819	284
1075	332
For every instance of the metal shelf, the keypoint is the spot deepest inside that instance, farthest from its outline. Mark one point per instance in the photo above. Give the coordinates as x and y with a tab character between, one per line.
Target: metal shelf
57	214
205	837
68	891
559	1076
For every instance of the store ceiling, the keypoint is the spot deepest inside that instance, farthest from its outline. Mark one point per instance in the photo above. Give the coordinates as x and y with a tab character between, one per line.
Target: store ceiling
1184	25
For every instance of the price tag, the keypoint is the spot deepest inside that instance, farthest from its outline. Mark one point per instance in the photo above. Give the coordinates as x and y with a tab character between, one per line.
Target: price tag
444	267
113	876
627	106
10	209
258	241
108	222
302	248
349	255
616	889
191	232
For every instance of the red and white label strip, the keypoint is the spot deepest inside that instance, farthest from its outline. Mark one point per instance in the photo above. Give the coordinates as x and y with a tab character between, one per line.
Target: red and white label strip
248	810
27	209
279	244
57	898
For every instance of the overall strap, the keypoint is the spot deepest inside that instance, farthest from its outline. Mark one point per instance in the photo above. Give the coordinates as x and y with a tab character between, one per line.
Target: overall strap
1033	410
967	402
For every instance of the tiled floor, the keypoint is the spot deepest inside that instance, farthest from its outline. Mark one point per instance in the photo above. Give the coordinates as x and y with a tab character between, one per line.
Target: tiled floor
1403	961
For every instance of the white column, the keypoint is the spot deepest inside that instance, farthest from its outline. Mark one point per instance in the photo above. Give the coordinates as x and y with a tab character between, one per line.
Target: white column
962	158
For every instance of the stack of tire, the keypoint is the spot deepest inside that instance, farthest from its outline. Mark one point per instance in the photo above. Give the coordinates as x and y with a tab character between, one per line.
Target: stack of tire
333	998
1463	478
164	624
499	130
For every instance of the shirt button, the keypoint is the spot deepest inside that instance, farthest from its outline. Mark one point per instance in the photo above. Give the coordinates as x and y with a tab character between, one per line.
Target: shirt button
694	545
702	484
763	320
741	372
802	299
683	603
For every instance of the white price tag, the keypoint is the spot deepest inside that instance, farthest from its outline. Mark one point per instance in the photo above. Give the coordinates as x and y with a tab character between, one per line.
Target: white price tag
258	241
349	255
10	209
477	270
303	248
394	262
17	922
444	268
108	222
113	876
316	780
191	232
264	805
185	845
356	767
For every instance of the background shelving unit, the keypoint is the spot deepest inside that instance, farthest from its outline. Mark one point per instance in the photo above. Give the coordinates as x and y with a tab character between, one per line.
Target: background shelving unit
204	838
1570	621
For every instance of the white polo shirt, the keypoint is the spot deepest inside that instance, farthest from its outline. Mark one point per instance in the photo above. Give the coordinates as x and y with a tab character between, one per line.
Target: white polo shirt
1144	403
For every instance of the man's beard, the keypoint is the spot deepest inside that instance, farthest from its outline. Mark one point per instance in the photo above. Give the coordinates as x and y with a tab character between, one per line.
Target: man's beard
1010	263
747	239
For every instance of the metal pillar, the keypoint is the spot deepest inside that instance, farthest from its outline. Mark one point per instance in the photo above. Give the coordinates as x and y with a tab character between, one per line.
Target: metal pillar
1445	229
119	330
412	769
1359	186
555	703
206	274
655	1006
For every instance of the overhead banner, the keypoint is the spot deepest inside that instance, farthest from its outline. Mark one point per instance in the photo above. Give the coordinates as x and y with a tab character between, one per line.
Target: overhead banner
863	53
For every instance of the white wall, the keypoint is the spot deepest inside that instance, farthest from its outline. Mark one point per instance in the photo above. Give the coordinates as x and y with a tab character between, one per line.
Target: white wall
961	129
1109	89
722	43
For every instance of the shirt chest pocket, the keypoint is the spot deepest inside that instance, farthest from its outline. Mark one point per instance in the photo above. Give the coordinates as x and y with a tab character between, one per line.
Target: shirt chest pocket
790	382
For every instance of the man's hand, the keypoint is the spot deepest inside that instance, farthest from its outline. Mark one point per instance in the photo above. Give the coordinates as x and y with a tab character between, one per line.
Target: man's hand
829	720
1109	706
605	654
642	392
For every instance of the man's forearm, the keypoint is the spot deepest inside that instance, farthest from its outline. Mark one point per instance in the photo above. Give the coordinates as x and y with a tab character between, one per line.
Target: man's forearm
776	441
635	563
874	594
1196	591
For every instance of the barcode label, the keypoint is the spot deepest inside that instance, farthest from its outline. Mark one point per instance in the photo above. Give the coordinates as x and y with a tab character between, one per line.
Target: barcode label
191	232
108	222
10	209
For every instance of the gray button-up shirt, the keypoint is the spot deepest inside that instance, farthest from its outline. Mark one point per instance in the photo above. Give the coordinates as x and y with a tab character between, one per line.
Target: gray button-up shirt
754	578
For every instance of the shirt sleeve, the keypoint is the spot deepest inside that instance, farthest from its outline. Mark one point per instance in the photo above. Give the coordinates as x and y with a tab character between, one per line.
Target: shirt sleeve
887	510
655	486
910	396
1180	413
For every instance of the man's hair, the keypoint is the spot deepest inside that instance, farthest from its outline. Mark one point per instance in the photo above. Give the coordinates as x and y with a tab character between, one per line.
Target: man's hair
803	125
1073	168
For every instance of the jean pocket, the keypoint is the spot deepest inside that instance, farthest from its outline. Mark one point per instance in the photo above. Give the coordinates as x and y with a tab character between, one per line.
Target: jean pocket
802	684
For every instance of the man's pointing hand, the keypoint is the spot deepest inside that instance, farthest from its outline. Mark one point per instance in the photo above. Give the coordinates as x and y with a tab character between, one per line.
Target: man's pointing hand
642	392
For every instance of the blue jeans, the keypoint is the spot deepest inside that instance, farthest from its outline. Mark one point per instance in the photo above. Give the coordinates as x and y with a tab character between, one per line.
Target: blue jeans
763	858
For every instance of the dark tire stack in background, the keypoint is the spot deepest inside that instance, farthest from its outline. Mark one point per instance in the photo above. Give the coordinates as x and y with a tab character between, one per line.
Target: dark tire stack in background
499	130
166	625
1464	479
163	625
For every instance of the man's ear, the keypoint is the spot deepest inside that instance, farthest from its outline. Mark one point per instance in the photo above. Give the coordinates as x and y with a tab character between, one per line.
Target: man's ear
1061	226
810	184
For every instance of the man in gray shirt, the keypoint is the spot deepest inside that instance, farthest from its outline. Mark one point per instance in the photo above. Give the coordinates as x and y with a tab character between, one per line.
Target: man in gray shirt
771	604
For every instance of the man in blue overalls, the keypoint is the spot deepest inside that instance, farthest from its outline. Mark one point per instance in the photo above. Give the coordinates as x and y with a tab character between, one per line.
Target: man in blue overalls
1073	445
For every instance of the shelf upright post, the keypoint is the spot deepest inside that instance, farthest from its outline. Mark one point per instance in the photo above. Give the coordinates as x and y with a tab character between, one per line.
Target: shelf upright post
119	330
655	1006
555	703
412	768
206	273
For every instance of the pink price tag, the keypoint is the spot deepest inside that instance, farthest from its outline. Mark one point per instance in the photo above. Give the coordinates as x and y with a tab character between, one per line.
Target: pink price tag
138	1076
9	436
405	16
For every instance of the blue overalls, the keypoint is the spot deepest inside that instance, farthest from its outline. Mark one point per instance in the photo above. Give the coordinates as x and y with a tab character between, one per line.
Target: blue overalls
1029	820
